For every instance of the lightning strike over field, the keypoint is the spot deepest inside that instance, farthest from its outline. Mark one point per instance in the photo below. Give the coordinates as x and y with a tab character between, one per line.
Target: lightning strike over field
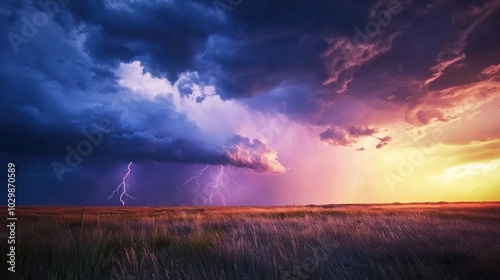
217	187
222	180
197	176
231	177
123	187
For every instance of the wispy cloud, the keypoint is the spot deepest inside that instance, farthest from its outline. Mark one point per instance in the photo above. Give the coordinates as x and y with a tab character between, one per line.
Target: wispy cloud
465	21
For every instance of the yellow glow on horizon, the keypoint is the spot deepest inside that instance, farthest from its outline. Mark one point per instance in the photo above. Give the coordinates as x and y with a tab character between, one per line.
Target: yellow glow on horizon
471	169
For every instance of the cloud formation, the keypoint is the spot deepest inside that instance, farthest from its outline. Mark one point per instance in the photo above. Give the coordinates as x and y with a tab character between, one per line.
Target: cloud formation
254	154
337	136
344	57
466	20
384	141
183	86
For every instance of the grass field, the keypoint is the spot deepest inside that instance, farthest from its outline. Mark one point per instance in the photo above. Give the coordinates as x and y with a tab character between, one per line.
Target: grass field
396	241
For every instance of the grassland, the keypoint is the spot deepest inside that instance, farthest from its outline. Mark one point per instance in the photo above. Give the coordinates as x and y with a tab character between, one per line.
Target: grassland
405	241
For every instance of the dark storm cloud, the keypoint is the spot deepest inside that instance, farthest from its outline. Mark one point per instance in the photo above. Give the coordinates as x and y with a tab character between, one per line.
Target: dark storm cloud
299	58
277	42
63	78
59	85
253	49
165	36
435	63
156	133
261	47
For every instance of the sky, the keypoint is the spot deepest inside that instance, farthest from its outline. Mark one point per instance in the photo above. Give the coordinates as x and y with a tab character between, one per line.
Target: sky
239	102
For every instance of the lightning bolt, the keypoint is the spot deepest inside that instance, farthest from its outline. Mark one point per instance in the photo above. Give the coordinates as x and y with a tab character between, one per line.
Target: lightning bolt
217	187
222	180
231	177
197	176
123	187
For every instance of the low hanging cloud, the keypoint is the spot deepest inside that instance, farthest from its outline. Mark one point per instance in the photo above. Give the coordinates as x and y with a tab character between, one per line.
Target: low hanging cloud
209	113
256	155
338	136
239	151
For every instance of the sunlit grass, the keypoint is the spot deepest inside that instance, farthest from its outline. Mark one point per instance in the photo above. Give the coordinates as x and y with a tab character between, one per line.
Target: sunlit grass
409	241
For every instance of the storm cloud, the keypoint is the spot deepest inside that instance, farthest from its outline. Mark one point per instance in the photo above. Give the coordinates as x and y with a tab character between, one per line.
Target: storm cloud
182	82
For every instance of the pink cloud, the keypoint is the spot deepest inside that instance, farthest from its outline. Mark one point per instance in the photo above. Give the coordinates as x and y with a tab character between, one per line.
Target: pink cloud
451	103
384	141
243	152
453	51
344	57
337	136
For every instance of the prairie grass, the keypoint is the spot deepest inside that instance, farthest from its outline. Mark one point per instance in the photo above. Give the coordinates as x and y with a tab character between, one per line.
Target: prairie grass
393	241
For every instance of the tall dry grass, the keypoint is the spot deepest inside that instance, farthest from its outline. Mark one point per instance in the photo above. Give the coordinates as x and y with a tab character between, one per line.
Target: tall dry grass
417	241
